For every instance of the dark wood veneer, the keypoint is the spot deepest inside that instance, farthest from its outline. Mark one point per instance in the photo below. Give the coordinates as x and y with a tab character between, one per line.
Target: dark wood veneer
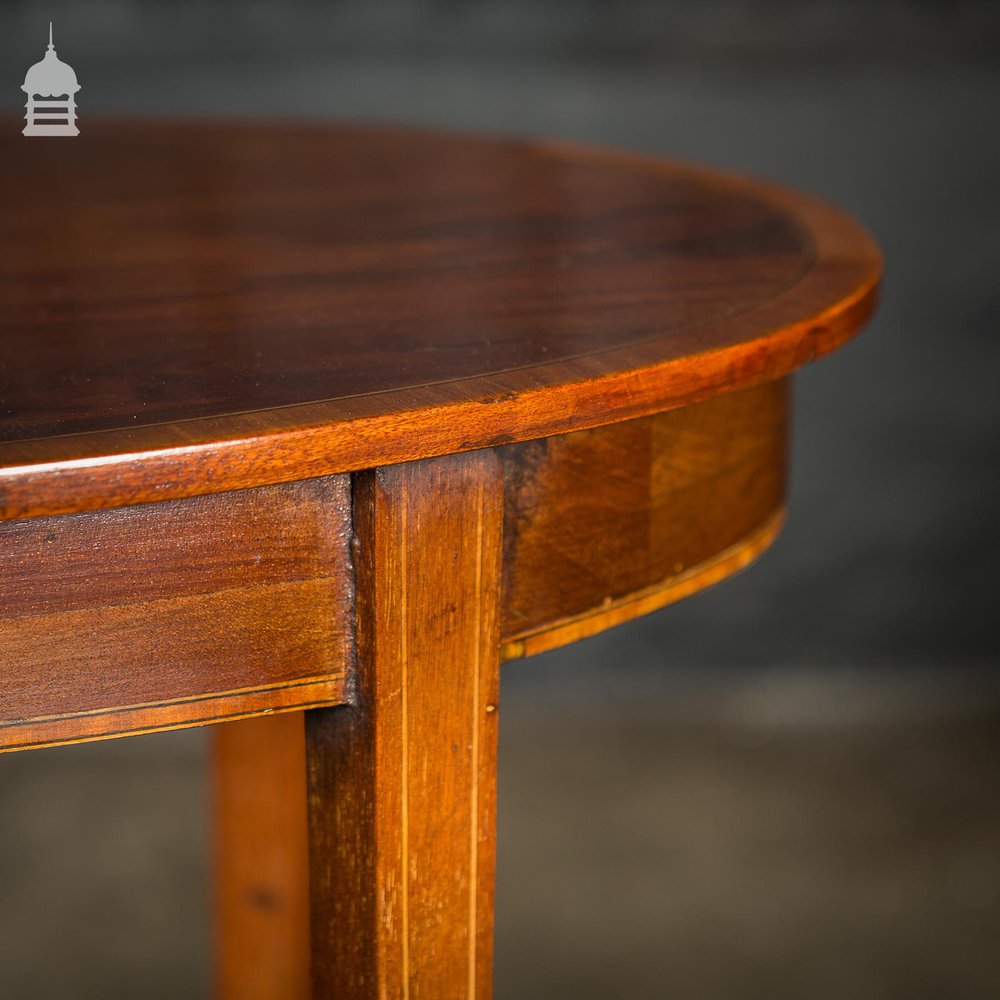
336	419
595	517
177	613
248	538
192	606
324	300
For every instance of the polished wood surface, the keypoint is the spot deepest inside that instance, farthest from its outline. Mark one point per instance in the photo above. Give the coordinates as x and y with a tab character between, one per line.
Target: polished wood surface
240	603
600	526
402	783
198	308
260	859
174	614
328	422
597	518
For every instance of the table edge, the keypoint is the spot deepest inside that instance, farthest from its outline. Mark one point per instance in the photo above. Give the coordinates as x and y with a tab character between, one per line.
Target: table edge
833	300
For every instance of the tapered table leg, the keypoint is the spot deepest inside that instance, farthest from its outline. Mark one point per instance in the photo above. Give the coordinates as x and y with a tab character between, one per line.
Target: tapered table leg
402	783
260	859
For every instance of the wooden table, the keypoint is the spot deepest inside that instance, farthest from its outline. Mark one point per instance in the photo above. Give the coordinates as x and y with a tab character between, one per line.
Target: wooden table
314	427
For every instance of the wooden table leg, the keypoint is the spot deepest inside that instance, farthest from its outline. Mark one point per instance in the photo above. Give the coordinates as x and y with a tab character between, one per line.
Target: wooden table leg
402	783
260	859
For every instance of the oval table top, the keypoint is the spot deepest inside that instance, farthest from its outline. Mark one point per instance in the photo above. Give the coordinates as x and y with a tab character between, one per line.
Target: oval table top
190	308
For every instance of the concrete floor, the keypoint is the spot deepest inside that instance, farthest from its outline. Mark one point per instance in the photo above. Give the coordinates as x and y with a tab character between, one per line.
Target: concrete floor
765	837
745	846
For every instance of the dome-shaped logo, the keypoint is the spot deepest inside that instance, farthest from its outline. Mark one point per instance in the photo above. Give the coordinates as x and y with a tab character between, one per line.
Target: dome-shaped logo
51	87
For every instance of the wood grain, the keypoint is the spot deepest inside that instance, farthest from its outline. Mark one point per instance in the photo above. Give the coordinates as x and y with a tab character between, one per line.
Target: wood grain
320	300
248	538
260	860
402	783
307	418
595	519
674	588
174	614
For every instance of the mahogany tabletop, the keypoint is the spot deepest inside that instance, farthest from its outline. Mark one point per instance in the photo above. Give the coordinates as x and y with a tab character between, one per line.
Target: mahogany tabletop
306	429
190	308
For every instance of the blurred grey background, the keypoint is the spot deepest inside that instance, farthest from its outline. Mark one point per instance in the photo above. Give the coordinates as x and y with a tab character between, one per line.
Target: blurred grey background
785	787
